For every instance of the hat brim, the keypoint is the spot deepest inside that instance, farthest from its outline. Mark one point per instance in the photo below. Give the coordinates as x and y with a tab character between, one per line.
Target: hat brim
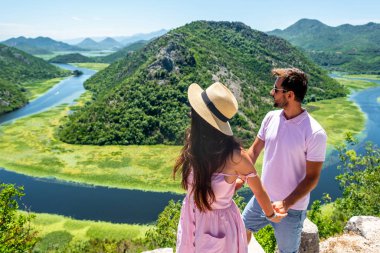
195	98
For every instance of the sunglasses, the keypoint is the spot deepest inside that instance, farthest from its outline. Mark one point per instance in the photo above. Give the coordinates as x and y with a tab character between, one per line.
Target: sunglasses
277	89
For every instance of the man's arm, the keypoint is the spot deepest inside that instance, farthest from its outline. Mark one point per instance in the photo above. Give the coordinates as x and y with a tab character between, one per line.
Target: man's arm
255	150
313	171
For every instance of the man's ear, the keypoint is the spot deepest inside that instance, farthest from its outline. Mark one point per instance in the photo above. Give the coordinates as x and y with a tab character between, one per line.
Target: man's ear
290	95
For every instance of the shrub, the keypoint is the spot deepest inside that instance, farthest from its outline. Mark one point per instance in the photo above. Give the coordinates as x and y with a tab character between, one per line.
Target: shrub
16	233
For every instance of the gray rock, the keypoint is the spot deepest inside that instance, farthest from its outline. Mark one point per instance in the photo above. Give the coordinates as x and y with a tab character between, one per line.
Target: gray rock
309	238
360	236
366	226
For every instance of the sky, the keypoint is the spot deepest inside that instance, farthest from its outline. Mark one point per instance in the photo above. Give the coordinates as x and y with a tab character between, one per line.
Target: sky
69	19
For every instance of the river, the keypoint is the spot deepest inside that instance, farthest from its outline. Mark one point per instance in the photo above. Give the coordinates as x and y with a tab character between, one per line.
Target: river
80	201
132	206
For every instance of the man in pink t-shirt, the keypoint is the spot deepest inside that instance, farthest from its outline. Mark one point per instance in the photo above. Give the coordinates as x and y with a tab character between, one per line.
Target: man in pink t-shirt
294	150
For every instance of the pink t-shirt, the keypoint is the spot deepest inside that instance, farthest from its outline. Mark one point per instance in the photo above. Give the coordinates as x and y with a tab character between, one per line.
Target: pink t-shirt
288	144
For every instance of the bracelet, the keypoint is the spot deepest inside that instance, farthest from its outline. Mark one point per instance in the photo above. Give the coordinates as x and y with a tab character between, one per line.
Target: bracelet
271	216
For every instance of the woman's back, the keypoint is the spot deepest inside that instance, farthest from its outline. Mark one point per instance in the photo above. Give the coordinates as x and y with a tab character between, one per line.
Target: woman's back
218	230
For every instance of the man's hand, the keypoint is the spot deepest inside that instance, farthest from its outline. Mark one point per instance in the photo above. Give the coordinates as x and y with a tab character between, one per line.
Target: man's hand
280	206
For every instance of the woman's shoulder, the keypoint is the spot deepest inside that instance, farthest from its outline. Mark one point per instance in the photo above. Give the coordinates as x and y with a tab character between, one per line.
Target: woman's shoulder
238	157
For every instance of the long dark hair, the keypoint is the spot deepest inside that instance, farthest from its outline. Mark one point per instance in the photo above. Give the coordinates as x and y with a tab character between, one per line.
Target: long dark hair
206	151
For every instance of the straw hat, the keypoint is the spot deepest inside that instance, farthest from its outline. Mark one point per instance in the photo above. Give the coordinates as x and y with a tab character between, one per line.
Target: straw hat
216	105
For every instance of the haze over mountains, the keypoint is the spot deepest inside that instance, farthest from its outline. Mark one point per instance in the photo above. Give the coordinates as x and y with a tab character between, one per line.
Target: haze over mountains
106	44
142	98
125	40
45	45
345	47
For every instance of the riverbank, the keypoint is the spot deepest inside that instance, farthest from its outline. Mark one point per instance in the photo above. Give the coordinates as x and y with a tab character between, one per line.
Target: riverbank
29	146
91	65
38	88
60	231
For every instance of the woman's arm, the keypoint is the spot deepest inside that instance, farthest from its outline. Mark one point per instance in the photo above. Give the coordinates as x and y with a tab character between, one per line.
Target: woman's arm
243	166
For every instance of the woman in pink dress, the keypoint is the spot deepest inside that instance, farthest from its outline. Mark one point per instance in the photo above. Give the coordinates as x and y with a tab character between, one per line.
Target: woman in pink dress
210	163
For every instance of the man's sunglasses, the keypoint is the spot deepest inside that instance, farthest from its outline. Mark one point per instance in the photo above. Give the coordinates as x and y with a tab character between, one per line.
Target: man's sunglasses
277	89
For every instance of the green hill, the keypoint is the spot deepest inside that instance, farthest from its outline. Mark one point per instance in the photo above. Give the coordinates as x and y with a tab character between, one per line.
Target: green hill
68	58
17	68
11	97
40	45
142	98
346	47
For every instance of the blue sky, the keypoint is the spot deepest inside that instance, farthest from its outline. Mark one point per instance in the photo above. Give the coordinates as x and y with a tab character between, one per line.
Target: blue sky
91	18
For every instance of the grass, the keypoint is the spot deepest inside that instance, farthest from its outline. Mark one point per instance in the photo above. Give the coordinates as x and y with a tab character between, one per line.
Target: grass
38	88
337	116
374	77
58	232
29	146
356	84
91	65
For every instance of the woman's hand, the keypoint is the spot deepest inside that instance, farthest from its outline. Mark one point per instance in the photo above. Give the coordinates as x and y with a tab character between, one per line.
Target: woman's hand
239	183
277	217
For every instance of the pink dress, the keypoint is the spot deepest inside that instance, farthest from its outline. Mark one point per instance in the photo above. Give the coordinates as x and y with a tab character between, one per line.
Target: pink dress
219	230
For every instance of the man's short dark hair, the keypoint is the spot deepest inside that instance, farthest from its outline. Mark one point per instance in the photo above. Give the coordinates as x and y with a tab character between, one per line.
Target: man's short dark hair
294	80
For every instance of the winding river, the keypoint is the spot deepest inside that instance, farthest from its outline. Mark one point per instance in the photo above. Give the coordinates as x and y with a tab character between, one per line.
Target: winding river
81	201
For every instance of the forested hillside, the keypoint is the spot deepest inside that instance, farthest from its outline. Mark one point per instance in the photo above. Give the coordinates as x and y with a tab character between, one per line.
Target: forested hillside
346	47
68	58
16	68
142	98
40	45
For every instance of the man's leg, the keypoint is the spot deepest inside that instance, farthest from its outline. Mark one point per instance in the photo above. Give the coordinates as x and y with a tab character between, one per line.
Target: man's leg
253	217
288	231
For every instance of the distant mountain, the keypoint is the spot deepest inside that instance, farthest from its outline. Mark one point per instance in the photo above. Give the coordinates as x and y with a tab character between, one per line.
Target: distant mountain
88	43
345	47
44	44
109	44
17	68
141	36
122	52
142	98
106	44
123	39
71	58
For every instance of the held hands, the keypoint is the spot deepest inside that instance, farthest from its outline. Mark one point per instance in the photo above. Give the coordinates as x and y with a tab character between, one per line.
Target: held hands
239	183
280	211
276	217
280	206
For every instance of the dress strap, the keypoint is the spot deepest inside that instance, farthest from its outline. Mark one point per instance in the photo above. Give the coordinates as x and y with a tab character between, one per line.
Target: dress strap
224	174
245	177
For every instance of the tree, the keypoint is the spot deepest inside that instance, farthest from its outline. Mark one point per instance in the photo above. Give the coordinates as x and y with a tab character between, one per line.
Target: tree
77	73
164	234
360	184
16	233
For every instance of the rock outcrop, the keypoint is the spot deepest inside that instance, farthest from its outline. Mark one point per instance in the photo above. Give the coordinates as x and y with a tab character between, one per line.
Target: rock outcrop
361	234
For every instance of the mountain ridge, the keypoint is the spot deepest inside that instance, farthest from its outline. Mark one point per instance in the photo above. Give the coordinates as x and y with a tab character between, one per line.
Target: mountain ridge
353	48
46	44
141	99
